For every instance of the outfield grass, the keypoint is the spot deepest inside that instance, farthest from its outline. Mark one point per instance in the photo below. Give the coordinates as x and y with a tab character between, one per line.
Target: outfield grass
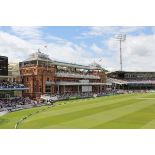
130	111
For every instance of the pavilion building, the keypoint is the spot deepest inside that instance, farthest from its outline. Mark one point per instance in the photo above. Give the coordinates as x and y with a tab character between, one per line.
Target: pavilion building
43	75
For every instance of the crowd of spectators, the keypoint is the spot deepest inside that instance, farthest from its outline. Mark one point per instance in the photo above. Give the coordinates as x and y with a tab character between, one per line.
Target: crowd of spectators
93	94
85	94
8	84
17	103
77	72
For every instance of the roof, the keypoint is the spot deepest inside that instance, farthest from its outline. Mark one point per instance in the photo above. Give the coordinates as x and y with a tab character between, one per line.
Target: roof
73	65
94	64
132	72
44	57
38	56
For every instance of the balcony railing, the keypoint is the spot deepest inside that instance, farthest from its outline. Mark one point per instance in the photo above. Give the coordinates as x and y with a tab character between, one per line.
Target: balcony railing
72	83
78	83
48	83
75	75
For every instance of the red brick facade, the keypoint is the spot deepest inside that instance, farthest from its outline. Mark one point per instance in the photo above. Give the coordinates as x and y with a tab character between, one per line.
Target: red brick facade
45	77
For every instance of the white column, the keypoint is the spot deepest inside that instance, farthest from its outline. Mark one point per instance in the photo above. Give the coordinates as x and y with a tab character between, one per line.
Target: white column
58	89
64	89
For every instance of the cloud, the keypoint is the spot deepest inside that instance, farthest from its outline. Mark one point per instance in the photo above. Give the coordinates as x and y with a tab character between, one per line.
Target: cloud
13	47
33	33
55	39
17	48
138	52
68	52
98	31
96	49
111	30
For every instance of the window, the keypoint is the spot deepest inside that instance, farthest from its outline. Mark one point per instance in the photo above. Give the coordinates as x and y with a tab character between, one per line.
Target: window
48	79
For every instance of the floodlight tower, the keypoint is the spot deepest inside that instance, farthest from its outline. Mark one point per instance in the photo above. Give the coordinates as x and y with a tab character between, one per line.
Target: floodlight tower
121	38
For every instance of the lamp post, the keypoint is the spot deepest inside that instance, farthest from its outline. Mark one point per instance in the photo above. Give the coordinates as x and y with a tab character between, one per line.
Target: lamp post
121	38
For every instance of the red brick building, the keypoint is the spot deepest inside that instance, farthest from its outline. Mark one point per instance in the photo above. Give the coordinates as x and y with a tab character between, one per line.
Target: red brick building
43	75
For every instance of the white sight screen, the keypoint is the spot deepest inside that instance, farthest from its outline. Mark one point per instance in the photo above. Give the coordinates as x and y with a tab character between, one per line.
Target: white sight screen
86	88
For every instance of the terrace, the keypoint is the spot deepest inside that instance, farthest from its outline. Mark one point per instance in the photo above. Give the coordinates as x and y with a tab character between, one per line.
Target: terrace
76	75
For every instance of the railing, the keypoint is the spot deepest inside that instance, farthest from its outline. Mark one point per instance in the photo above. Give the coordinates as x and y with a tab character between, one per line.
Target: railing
50	83
79	83
24	88
74	75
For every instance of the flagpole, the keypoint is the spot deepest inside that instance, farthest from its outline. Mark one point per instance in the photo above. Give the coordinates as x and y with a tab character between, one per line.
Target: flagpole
47	59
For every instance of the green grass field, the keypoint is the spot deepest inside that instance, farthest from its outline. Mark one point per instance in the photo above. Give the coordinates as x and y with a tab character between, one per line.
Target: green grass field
131	111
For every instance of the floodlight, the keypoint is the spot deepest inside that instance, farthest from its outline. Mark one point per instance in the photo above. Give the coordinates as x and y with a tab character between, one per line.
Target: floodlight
120	38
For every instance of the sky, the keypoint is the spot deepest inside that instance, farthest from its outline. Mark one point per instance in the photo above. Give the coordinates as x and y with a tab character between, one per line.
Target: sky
82	45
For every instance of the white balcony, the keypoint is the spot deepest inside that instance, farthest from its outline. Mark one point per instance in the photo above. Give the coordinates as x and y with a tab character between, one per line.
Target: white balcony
72	75
66	83
49	83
